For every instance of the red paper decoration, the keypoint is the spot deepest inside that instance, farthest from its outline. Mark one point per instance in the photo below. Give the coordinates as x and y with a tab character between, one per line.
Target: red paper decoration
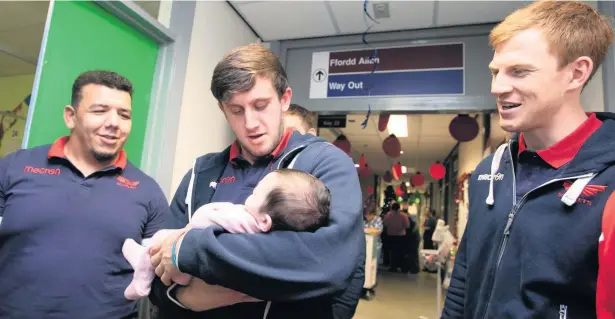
396	171
437	171
343	143
365	171
418	179
383	121
463	128
391	146
388	177
362	162
398	191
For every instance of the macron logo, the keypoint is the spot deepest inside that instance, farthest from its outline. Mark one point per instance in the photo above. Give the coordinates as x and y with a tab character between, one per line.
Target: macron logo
488	177
42	171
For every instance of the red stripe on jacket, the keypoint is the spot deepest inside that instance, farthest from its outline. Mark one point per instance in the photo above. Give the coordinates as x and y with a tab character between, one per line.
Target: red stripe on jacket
605	293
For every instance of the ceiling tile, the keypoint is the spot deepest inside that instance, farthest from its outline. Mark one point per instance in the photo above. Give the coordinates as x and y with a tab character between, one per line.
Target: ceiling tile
274	20
26	43
474	12
17	14
403	15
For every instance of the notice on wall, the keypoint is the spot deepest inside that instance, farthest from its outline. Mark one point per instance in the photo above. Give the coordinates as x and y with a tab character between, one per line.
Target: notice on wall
399	71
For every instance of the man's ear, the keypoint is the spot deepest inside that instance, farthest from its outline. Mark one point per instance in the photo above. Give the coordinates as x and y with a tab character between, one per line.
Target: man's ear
264	223
582	69
286	98
69	116
312	131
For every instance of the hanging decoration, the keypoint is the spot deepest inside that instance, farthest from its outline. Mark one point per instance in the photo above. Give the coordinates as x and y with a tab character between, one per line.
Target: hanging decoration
398	191
369	112
370	189
391	146
343	143
463	128
383	121
388	177
437	171
396	169
365	172
362	162
418	179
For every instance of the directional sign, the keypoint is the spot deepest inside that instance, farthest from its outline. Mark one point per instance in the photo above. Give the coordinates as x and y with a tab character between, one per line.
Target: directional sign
329	121
400	71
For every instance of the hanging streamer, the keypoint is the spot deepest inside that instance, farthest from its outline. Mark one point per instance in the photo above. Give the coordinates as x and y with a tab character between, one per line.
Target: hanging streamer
371	58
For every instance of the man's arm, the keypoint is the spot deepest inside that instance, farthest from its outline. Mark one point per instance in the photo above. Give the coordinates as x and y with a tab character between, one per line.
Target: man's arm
285	265
159	215
605	291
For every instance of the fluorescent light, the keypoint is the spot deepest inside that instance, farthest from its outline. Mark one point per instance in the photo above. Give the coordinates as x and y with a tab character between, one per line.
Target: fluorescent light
356	165
404	170
398	125
407	184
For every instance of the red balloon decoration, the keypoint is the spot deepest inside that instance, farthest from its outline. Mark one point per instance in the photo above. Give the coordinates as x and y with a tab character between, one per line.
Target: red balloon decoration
398	191
370	189
391	146
383	121
365	171
396	171
362	162
388	177
463	128
418	179
343	143
437	171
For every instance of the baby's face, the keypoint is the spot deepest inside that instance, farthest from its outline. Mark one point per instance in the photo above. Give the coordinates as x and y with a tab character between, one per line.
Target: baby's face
255	201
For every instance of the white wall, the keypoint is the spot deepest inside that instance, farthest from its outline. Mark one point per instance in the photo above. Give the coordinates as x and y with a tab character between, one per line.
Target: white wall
592	97
202	126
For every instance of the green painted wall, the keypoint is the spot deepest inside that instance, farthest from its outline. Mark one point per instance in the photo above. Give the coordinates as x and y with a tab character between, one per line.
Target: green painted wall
82	37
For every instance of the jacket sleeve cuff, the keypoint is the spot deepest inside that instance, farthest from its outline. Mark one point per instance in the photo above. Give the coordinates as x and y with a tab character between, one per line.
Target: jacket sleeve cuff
172	295
188	256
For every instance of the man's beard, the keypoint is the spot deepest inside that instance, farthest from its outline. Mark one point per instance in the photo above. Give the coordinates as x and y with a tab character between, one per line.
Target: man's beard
279	139
103	157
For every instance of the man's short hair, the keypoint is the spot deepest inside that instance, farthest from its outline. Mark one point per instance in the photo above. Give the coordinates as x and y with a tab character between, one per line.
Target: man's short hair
304	207
395	207
108	79
572	29
306	117
239	69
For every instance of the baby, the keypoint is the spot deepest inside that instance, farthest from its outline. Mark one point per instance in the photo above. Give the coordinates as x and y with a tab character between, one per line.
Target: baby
285	199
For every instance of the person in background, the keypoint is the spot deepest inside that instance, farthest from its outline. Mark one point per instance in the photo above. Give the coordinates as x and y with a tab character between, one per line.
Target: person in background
300	119
540	240
373	225
413	241
66	209
396	223
299	274
428	228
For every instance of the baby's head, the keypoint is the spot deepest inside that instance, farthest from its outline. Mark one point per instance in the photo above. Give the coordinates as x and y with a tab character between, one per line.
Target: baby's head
289	199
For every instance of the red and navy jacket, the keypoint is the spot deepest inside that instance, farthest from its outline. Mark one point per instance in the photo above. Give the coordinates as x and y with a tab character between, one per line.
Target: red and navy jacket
540	236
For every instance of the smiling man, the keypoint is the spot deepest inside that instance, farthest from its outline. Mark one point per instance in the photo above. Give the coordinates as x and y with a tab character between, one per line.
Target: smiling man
67	208
540	241
296	274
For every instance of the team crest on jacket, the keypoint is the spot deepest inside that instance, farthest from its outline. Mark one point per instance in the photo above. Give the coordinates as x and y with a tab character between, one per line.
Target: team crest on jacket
588	191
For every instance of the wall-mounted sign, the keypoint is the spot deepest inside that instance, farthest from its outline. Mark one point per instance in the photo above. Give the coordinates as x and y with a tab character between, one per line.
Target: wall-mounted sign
329	121
400	71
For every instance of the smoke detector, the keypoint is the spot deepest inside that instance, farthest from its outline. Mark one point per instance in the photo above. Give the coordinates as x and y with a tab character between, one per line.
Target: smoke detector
381	10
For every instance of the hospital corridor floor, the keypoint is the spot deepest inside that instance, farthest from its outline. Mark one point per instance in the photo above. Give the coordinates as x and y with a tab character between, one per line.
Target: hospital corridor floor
401	296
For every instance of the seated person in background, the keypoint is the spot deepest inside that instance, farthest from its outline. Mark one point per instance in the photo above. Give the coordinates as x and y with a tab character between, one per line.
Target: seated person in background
285	199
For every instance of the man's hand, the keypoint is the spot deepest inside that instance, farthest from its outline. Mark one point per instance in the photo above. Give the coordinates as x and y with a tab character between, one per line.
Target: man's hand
162	255
200	296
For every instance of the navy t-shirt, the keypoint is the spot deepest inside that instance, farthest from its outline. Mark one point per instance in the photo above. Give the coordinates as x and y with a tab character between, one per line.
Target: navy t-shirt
61	234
